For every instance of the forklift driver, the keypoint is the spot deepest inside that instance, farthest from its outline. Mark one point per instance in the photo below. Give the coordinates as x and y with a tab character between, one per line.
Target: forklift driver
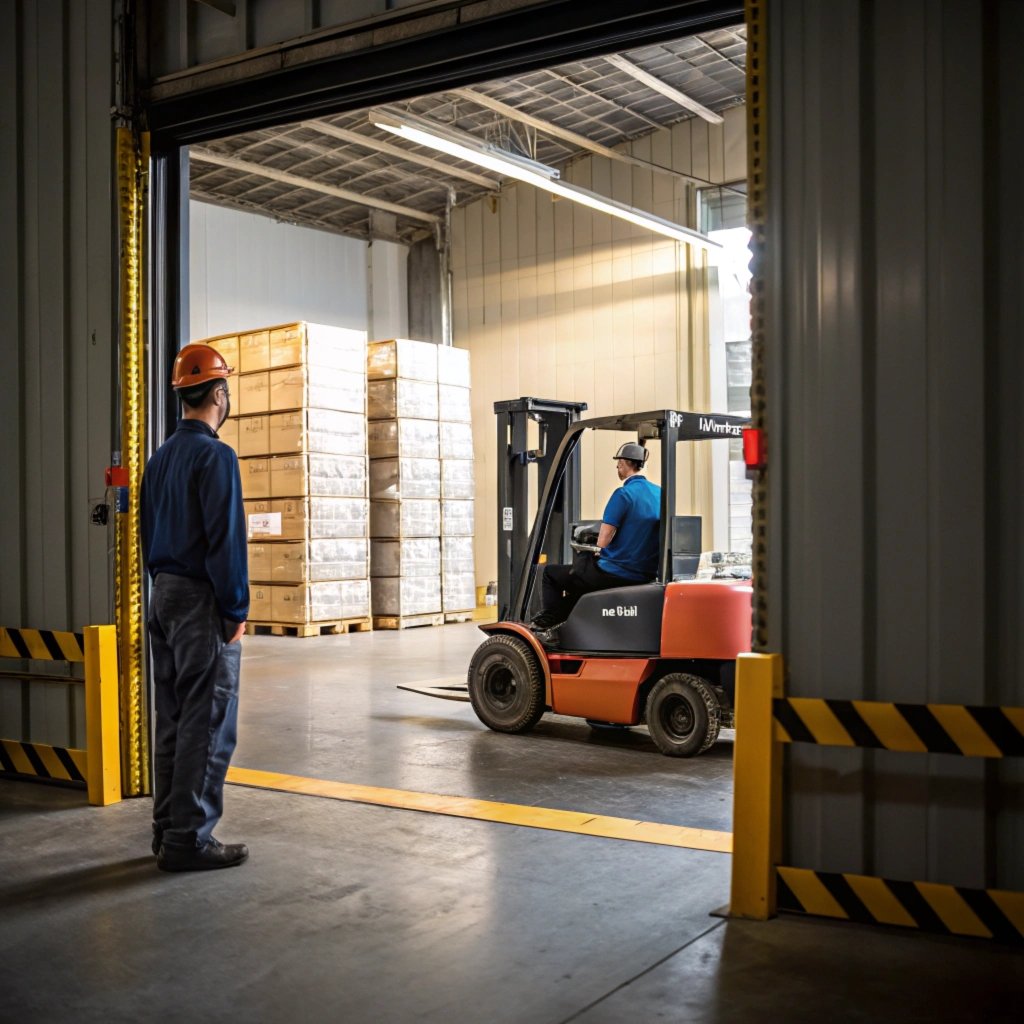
628	540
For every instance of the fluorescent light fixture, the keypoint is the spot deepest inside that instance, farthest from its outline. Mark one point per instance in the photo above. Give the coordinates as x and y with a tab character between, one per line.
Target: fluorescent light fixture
463	146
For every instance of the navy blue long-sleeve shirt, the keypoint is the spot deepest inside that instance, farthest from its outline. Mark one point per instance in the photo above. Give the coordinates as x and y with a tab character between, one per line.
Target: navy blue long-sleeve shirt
193	520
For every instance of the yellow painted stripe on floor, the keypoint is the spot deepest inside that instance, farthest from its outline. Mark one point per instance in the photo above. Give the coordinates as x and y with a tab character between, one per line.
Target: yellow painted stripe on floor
956	915
892	729
964	730
820	719
880	901
811	893
489	810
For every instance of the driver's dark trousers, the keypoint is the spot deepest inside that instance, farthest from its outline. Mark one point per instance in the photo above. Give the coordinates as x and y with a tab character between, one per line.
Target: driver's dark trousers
196	685
564	585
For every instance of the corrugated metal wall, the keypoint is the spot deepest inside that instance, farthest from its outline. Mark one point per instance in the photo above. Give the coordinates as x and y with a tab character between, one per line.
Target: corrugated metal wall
557	301
56	280
896	441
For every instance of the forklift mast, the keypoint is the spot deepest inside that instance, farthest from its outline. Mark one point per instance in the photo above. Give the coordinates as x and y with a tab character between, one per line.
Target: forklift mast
515	457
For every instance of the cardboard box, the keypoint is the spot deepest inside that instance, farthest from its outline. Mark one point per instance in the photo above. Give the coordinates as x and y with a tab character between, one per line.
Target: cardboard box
455	440
227	346
396	520
458	592
260	606
337	348
254	351
260	562
415	556
406	595
457	480
255	475
402	357
453	404
397	398
456	518
253	436
399	479
325	431
228	433
317	387
306	518
319	560
404	438
252	393
456	555
339	476
321	602
453	365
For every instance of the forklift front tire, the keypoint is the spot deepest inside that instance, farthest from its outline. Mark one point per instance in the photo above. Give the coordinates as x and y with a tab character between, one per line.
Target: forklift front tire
506	685
683	715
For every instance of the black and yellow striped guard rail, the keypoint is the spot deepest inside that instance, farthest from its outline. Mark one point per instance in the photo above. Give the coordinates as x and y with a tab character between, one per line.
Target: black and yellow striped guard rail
766	720
98	767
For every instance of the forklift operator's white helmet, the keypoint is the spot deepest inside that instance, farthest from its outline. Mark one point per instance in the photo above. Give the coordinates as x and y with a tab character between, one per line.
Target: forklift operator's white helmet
632	451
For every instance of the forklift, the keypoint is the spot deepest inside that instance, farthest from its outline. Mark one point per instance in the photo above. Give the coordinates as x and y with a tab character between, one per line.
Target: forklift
662	652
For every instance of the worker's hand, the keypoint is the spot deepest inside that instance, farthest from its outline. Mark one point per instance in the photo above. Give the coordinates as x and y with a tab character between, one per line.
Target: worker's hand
238	634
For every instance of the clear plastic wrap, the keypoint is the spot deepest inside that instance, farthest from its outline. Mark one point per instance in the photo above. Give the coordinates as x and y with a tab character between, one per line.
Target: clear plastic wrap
406	595
338	476
416	556
453	366
402	357
453	404
320	602
255	474
324	431
458	592
456	440
456	518
396	399
307	518
318	560
415	517
315	387
457	555
405	438
457	480
401	479
337	348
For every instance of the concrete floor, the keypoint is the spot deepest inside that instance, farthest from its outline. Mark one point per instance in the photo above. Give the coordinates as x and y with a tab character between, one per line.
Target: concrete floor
349	912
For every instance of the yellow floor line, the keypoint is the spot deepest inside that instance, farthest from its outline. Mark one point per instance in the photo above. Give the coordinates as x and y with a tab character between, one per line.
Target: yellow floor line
489	810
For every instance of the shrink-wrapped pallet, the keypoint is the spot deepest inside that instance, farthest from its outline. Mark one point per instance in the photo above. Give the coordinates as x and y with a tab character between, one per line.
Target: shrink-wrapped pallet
402	357
320	602
313	387
260	562
323	431
227	346
456	518
415	556
457	480
458	592
318	560
453	404
401	479
306	518
406	595
415	517
456	555
255	474
253	351
398	398
335	348
453	366
456	440
404	438
339	476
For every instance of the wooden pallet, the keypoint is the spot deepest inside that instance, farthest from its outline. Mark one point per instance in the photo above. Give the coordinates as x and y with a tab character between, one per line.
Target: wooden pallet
465	616
408	621
361	625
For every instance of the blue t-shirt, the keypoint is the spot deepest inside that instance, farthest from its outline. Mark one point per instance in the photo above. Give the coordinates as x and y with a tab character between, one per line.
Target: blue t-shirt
193	521
634	510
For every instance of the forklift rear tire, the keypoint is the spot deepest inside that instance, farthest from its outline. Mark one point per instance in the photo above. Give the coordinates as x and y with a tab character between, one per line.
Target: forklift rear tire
506	685
683	715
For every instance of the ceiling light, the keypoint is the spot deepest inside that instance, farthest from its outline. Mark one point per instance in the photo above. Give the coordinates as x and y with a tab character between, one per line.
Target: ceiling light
463	146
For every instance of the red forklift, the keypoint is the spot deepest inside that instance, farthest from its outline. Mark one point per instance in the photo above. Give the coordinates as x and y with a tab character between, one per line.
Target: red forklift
661	653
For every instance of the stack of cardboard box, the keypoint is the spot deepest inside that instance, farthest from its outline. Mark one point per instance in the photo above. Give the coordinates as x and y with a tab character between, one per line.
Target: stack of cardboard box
299	393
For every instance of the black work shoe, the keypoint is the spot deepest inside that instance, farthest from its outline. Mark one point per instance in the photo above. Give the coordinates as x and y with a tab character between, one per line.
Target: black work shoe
547	637
158	838
203	858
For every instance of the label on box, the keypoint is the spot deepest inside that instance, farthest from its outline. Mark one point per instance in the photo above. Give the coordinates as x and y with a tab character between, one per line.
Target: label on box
265	524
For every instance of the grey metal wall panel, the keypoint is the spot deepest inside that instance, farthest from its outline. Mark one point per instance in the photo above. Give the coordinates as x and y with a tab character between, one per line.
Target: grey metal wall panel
56	279
896	446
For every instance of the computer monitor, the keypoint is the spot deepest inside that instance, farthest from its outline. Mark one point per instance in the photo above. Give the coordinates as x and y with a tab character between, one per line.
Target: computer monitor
686	541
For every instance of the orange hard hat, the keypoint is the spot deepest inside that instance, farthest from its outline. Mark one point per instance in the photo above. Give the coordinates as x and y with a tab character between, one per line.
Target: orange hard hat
196	364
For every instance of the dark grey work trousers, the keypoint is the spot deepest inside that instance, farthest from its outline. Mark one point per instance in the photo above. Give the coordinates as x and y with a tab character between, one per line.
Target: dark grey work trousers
564	585
196	684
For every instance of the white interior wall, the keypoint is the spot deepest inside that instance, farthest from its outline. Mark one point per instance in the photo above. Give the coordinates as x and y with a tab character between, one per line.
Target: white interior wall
558	301
248	271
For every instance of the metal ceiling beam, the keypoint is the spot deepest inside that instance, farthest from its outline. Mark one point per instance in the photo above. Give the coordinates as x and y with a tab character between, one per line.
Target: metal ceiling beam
379	146
625	65
579	141
606	100
206	156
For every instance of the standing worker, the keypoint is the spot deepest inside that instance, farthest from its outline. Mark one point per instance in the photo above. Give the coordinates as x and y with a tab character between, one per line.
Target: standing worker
193	545
628	540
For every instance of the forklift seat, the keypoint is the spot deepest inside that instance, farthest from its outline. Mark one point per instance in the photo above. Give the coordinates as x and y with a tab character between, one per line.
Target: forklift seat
620	620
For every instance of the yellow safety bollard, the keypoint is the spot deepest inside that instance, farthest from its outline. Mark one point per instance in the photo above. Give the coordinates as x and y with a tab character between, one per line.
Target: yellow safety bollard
757	788
102	719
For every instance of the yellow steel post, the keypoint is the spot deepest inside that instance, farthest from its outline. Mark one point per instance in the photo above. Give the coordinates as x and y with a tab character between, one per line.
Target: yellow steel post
757	788
102	720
